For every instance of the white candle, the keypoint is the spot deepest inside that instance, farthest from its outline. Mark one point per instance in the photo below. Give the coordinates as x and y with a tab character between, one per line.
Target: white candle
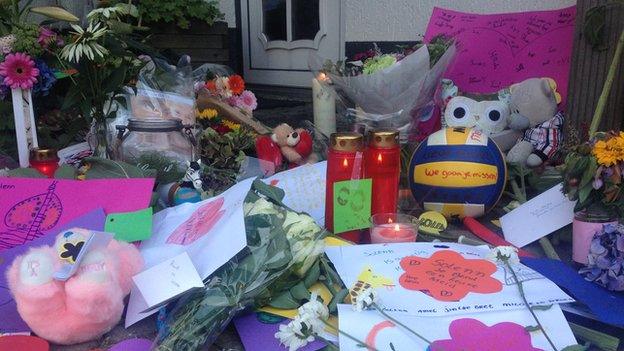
324	104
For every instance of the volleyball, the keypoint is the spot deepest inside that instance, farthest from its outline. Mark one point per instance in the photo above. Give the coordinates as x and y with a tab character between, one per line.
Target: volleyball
459	172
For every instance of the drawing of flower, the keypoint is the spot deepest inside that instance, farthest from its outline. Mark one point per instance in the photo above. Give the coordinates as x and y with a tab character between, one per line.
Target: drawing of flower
469	334
199	224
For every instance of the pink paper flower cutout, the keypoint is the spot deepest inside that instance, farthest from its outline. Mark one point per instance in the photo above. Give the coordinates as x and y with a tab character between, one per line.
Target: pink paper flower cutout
199	224
469	334
19	71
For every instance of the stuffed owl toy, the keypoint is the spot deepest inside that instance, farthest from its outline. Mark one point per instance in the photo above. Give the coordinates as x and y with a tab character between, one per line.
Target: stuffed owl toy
488	112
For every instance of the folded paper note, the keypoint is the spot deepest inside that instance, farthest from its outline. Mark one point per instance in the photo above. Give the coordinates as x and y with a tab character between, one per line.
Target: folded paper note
429	279
497	50
492	331
538	217
29	207
130	226
167	280
10	321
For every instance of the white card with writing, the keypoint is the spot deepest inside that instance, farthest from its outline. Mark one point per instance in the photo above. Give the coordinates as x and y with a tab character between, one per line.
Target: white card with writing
167	280
437	279
305	189
538	217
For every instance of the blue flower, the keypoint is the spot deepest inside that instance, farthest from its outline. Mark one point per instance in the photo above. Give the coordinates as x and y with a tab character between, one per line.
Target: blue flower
606	258
46	78
4	89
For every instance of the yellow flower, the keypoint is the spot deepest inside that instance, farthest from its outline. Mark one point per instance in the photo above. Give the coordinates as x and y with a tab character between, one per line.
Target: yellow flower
231	125
609	152
208	113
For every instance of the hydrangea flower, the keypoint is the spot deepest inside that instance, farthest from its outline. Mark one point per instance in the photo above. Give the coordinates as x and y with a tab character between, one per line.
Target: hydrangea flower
606	258
46	79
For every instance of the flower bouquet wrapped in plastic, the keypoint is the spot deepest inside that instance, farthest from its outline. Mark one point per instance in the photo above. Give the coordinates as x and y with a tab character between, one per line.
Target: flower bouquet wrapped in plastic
282	246
390	90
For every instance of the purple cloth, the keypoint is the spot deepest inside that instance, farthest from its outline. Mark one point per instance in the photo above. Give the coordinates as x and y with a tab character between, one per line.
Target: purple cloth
258	336
10	321
132	345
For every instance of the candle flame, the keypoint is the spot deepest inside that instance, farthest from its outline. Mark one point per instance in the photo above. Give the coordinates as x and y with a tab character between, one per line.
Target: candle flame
345	163
322	76
379	157
389	220
396	227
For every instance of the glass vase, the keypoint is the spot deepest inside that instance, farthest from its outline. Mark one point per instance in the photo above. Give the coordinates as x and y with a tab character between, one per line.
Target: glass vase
99	139
585	225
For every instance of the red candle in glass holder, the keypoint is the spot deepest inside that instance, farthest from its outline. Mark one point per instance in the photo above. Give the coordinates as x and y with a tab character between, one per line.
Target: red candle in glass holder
382	163
44	160
342	164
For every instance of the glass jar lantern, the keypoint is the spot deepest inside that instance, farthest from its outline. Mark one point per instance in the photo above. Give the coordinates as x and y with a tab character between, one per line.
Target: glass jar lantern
149	138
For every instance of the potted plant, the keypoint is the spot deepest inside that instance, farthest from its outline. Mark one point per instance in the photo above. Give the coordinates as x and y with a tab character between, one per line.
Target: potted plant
593	171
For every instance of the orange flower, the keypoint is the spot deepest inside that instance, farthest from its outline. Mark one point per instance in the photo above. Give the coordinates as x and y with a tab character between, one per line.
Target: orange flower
211	86
237	84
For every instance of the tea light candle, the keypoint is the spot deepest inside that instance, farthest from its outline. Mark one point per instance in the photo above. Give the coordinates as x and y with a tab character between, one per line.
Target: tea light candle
393	228
45	161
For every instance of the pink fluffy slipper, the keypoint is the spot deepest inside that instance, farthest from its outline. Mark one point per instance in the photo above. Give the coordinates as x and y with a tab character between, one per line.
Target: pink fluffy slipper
84	307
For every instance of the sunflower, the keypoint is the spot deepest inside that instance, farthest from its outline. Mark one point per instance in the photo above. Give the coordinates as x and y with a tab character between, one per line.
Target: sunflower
208	113
231	125
610	151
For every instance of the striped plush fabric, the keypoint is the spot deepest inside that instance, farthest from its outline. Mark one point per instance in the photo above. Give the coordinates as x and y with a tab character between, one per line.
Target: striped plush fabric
546	137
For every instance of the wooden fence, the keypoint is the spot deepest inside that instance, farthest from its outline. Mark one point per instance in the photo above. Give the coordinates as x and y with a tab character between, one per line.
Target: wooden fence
588	72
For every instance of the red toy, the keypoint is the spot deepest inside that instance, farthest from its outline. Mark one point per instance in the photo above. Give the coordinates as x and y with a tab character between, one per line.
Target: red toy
294	145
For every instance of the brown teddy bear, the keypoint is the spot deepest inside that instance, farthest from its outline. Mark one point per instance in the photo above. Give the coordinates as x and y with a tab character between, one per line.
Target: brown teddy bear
295	144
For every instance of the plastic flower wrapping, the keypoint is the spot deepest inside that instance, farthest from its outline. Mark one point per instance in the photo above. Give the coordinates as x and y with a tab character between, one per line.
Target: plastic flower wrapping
390	90
282	248
606	258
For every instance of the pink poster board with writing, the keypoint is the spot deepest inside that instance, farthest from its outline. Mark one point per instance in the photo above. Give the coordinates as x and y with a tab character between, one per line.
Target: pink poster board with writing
497	50
29	207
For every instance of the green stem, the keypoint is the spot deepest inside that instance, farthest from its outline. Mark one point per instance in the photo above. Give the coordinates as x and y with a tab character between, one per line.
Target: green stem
606	89
399	323
359	342
526	303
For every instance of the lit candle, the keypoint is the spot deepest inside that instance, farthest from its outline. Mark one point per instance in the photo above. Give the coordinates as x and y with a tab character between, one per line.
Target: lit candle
382	163
44	160
324	104
393	228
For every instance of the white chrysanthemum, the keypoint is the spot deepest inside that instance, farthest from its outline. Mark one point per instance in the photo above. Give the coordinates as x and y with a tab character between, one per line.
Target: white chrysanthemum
295	334
223	87
502	254
300	226
365	299
305	253
314	307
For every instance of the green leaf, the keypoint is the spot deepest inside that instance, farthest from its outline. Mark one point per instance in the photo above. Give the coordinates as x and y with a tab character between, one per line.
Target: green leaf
65	172
532	328
285	301
102	168
300	291
575	348
338	298
584	192
25	173
271	192
590	172
312	275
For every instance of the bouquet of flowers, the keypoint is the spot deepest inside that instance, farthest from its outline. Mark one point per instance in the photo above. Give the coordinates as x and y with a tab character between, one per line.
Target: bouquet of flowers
593	173
390	89
282	246
223	147
232	90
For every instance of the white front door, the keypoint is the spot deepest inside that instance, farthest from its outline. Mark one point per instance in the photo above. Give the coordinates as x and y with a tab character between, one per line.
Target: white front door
279	35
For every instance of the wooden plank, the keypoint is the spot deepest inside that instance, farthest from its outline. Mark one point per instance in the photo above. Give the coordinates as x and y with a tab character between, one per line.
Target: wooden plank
175	41
196	27
205	55
588	72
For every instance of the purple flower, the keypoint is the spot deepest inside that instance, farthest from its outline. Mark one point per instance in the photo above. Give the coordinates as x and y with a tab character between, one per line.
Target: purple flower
4	90
606	258
246	101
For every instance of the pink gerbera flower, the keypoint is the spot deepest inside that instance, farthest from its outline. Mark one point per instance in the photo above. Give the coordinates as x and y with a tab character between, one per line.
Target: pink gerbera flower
247	101
19	71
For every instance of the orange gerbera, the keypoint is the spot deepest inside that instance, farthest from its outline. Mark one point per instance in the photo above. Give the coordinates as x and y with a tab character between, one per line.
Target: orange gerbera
237	84
211	86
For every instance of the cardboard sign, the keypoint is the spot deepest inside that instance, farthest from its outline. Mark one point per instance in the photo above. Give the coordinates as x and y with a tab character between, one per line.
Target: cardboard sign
497	50
130	226
448	276
352	204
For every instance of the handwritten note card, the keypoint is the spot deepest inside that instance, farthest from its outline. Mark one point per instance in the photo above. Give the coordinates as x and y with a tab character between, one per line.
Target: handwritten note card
167	280
538	217
497	50
429	279
352	204
481	331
